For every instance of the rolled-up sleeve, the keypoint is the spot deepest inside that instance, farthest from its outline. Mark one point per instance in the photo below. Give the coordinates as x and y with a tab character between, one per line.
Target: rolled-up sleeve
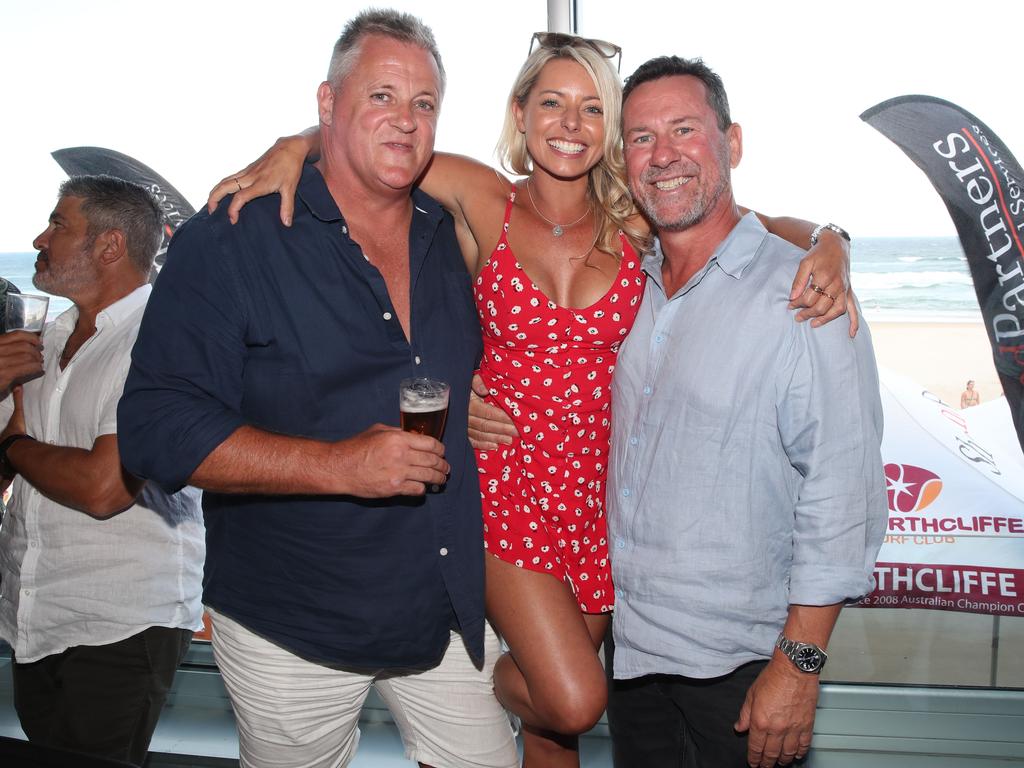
183	393
830	423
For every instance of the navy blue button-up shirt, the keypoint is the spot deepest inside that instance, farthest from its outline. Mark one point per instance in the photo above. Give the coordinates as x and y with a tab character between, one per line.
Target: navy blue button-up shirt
292	330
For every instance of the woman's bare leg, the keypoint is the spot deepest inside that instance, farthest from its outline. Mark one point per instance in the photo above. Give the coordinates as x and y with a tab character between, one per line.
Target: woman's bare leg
552	679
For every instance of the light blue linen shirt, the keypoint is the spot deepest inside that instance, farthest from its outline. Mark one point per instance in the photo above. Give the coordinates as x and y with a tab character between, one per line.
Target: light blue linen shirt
745	469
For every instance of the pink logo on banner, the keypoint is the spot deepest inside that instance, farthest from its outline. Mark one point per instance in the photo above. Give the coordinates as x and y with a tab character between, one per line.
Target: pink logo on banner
910	488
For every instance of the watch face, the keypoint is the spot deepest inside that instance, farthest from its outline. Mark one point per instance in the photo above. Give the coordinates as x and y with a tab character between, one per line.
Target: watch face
808	659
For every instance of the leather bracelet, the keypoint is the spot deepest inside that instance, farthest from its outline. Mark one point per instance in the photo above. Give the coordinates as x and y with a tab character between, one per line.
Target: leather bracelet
6	469
834	227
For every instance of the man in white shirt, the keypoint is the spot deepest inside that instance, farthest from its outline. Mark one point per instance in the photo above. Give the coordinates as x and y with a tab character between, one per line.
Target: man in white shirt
100	577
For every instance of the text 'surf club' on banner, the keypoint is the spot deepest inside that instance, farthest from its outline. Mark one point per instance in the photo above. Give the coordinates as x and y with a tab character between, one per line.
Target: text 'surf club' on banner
982	186
88	161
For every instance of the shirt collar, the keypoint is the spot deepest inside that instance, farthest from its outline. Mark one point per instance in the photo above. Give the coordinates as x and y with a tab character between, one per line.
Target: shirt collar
124	307
732	255
313	192
740	246
112	314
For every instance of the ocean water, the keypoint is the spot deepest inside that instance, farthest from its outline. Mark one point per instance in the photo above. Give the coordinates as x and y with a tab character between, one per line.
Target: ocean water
913	278
895	278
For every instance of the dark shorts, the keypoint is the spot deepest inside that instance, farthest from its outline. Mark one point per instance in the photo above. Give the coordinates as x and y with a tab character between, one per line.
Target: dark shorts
102	700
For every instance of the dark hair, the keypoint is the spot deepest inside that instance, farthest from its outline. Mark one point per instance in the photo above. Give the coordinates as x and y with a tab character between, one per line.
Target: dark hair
403	27
112	203
670	66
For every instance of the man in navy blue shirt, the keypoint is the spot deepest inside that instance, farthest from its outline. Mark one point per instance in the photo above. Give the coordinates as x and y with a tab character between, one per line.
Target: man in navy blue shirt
267	371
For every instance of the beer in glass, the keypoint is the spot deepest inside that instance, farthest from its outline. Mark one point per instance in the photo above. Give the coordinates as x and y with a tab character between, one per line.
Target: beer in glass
424	406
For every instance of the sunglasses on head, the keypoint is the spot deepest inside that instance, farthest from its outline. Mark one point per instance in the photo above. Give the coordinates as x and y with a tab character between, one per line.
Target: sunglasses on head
562	40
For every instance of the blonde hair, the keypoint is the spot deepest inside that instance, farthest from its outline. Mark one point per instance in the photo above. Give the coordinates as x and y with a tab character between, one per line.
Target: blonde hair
607	188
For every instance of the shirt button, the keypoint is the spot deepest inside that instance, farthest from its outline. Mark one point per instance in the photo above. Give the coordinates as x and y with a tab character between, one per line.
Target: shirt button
26	592
344	229
444	551
620	544
633	441
387	315
659	338
647	390
417	358
626	492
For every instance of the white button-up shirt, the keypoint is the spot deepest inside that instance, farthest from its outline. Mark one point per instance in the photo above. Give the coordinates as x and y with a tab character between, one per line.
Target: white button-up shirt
67	578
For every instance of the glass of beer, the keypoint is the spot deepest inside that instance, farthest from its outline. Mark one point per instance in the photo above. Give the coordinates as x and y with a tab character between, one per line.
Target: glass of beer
424	406
26	312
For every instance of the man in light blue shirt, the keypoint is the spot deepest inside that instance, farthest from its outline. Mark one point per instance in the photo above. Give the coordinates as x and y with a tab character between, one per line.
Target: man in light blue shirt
746	497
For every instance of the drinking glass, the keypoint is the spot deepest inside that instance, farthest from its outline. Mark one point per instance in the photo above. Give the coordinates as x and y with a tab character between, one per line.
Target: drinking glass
26	312
424	406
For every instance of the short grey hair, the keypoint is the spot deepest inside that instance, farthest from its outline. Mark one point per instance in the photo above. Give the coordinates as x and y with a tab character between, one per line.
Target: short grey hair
673	66
112	203
403	27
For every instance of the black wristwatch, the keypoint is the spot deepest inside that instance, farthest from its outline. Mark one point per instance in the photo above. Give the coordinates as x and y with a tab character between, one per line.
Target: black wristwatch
807	657
6	470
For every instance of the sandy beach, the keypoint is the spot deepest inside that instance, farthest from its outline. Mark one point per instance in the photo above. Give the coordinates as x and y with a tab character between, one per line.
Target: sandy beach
939	356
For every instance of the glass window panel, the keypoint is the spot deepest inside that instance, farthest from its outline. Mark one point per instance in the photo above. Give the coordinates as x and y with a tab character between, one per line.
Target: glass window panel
202	98
201	89
798	76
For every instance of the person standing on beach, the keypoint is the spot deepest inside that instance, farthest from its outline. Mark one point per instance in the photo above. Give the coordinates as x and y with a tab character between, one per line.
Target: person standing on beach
746	495
970	396
267	372
101	577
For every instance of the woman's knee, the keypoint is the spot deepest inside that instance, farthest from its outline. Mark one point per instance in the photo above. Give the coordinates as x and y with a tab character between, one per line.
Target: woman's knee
575	706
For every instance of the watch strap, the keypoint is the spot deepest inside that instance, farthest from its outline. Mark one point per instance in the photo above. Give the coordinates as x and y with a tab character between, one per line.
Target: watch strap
792	648
834	227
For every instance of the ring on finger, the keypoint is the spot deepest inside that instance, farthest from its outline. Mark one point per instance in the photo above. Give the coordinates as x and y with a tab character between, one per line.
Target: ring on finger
235	179
821	292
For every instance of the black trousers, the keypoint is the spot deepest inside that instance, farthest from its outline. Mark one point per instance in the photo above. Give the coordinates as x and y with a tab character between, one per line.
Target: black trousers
670	721
102	700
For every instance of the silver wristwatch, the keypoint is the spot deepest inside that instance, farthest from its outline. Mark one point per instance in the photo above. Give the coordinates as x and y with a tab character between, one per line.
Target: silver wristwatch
834	227
807	657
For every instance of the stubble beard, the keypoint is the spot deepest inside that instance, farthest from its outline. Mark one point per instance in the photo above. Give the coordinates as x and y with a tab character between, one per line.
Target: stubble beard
706	200
70	278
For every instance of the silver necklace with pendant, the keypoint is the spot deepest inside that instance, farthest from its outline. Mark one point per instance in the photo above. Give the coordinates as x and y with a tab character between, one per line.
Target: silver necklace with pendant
556	229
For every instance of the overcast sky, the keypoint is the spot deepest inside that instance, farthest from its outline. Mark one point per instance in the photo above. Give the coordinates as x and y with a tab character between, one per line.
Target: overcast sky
197	89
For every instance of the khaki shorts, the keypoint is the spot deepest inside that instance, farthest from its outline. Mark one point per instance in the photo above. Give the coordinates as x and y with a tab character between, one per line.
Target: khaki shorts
293	712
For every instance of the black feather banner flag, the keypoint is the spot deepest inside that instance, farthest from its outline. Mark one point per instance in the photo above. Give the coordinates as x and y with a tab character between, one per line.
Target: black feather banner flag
983	188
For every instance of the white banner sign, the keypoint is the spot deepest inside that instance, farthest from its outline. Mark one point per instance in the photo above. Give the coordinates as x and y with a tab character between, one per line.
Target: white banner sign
955	483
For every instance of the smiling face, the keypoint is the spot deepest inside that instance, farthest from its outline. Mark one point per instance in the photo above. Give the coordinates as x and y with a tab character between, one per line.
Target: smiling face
563	120
378	124
678	160
65	265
